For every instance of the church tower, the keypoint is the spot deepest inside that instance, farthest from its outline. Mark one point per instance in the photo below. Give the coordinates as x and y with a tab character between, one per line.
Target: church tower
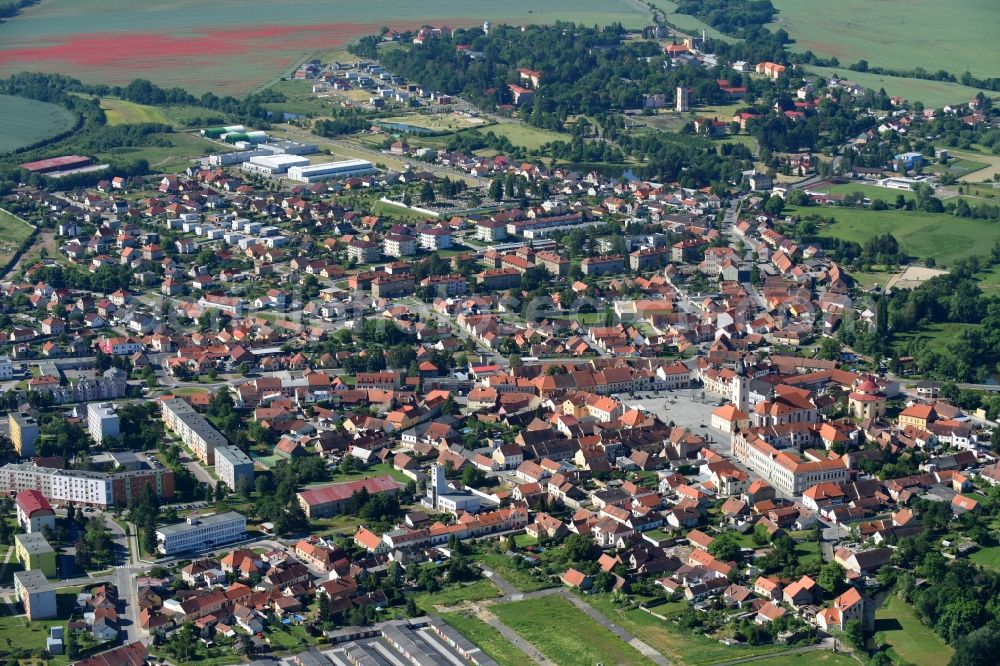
741	387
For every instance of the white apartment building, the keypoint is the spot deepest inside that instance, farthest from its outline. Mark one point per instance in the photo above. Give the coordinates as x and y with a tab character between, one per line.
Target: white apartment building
232	465
102	421
193	429
201	533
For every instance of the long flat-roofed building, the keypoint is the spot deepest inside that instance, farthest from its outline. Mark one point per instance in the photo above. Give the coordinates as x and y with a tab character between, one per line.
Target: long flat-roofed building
193	429
315	173
201	533
86	488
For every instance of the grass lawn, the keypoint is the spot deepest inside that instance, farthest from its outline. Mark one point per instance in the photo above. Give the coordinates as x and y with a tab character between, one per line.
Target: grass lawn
121	112
935	336
676	644
868	279
173	158
292	637
809	552
487	638
383	208
897	625
13	232
456	594
381	469
16	632
944	237
808	659
990	281
564	634
987	557
878	32
521	134
867	190
28	121
523	579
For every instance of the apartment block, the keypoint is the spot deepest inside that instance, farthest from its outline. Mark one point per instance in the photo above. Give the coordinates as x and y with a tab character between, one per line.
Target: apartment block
232	465
102	421
193	429
24	433
36	594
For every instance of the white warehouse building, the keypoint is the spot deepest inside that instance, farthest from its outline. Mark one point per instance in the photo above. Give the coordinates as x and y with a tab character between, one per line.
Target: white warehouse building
273	165
315	173
201	533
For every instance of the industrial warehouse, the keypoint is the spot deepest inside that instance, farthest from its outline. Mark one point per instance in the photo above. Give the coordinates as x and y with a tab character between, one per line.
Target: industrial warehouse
316	173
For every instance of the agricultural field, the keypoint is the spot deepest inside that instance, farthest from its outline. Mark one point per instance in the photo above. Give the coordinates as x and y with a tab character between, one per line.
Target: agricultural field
897	626
888	34
564	634
121	112
944	237
931	93
232	46
28	121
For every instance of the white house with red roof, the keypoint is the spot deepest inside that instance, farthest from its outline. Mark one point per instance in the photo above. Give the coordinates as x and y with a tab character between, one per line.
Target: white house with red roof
34	512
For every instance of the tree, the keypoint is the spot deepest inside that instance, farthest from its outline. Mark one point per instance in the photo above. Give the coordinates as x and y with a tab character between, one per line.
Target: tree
579	548
830	577
496	189
774	205
979	647
725	547
854	634
427	192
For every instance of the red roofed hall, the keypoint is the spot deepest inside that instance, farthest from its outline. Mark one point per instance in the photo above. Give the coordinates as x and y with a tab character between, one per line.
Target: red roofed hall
331	499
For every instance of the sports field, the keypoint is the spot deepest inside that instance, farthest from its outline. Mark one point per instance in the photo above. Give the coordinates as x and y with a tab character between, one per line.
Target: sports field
944	237
231	46
27	121
955	36
931	93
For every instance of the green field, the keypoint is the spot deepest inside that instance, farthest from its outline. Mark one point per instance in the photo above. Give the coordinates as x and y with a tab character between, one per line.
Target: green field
987	557
944	237
173	158
28	121
564	634
456	594
896	625
487	638
120	112
689	24
869	191
231	46
677	644
525	580
935	337
931	93
521	134
13	232
808	659
897	35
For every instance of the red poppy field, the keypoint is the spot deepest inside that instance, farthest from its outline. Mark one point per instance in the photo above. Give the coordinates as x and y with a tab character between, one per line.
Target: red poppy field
232	46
